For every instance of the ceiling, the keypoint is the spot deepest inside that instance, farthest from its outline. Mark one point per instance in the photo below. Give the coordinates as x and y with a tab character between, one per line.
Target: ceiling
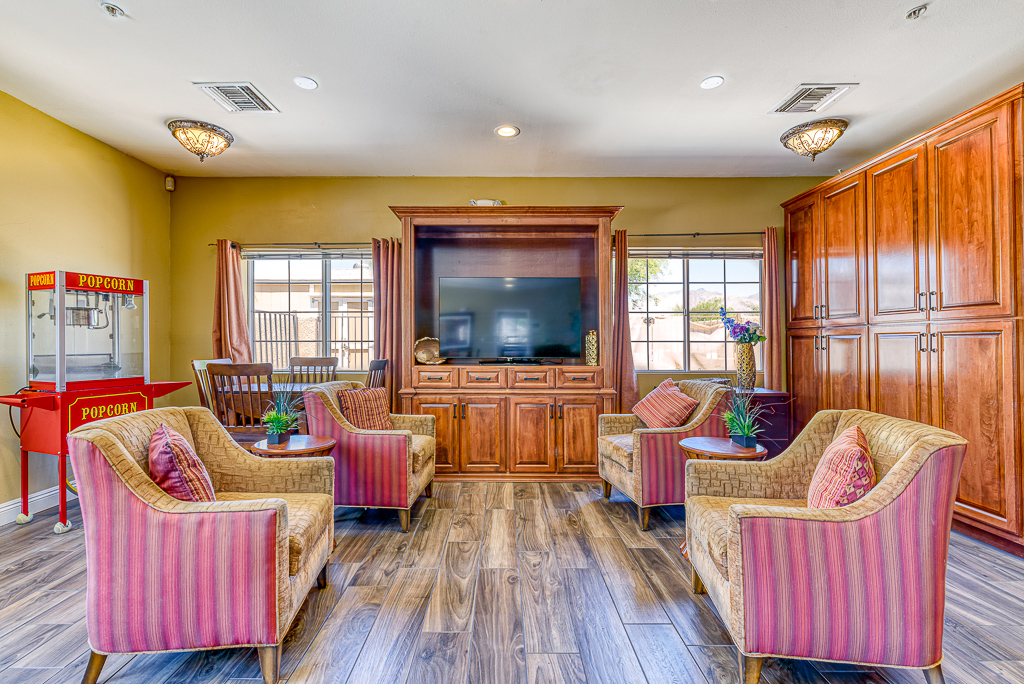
416	87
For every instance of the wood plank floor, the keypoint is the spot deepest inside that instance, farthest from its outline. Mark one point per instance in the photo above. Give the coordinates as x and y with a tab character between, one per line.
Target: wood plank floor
493	583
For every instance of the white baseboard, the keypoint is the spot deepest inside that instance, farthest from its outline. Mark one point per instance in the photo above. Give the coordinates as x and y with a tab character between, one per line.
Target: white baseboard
39	501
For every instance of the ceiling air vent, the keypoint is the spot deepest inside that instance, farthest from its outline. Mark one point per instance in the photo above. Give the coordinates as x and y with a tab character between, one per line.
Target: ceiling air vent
813	97
237	97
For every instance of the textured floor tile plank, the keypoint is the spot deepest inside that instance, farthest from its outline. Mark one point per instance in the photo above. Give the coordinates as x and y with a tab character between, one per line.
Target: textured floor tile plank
522	491
975	642
671	546
959	667
74	672
498	654
554	495
333	652
390	645
719	664
475	488
1010	670
633	596
28	608
593	517
355	537
468	523
547	625
607	653
499	539
207	667
582	487
532	533
696	623
569	540
74	580
662	524
441	658
31	572
59	650
68	611
427	544
625	518
663	655
499	495
445	495
561	668
384	559
146	668
787	671
451	603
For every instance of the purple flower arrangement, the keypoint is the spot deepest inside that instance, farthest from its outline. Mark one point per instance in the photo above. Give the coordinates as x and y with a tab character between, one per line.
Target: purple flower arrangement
749	332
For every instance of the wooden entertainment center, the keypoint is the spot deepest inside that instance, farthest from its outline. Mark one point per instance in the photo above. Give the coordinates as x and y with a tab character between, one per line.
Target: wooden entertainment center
509	420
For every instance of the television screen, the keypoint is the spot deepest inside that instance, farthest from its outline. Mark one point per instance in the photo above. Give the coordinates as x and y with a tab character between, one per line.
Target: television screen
485	318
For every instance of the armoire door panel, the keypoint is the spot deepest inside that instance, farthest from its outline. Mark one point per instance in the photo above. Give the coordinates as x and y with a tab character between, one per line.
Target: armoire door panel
900	378
802	305
446	434
844	368
974	388
898	238
842	262
804	375
972	237
531	434
482	434
577	434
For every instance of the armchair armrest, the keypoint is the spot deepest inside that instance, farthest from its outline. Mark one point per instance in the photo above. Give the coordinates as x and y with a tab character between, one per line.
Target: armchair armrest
417	425
617	424
233	469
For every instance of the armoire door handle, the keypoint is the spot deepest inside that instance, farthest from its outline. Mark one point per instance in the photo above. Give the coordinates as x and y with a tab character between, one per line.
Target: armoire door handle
551	410
922	301
935	342
559	412
824	311
932	298
463	412
924	342
815	313
816	342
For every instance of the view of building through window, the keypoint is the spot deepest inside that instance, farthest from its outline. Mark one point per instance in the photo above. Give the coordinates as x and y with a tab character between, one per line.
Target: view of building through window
290	316
674	310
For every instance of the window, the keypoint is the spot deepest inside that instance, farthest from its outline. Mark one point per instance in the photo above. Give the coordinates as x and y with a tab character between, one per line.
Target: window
291	316
674	298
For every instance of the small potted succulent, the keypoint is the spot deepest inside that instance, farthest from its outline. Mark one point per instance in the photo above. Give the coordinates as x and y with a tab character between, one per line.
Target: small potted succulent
282	416
741	421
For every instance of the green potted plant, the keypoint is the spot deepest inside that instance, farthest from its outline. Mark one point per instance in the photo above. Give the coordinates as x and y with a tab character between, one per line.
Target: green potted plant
742	420
282	416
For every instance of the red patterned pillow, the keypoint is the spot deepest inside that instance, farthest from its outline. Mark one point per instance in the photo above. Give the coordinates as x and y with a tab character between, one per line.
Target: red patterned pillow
665	407
176	468
845	472
367	409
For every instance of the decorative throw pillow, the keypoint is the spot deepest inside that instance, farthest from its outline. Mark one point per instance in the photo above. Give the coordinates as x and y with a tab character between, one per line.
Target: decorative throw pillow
665	407
176	468
367	409
845	472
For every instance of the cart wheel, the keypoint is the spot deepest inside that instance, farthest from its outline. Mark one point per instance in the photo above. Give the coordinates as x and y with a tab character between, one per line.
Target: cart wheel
61	529
22	518
72	486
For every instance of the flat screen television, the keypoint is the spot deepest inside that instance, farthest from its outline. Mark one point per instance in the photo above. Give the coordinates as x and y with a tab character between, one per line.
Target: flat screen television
510	318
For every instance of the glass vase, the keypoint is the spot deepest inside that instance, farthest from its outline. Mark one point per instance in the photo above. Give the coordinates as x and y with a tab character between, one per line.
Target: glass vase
745	370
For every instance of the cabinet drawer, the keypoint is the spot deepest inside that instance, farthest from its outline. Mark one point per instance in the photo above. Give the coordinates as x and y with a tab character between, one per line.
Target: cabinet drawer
584	377
482	378
434	377
531	378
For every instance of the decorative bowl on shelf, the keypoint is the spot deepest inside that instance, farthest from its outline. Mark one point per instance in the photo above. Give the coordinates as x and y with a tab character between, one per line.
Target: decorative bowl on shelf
427	350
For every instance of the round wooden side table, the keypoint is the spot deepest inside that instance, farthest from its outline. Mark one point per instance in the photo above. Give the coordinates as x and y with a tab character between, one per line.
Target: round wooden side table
297	445
721	448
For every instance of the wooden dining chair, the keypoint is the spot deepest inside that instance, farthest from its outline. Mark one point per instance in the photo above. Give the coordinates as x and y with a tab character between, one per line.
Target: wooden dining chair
313	370
203	378
242	393
375	374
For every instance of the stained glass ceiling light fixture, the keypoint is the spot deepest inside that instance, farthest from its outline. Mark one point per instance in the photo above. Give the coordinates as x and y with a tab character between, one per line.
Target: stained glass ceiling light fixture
814	137
200	138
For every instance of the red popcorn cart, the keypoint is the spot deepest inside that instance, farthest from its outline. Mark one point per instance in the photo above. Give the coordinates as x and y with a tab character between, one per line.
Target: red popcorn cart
88	358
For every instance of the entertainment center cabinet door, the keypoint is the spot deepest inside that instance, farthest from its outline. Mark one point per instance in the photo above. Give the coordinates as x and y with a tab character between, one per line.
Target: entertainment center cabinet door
577	434
446	433
482	434
532	434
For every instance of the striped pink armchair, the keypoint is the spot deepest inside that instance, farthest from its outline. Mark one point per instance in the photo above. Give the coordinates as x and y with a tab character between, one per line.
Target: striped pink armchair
172	575
647	464
374	468
860	584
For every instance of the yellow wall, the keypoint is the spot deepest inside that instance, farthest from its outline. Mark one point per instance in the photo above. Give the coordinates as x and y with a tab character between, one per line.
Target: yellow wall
71	202
259	210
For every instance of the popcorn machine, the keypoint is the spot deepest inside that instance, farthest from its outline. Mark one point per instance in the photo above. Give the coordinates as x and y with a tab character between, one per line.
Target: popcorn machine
88	358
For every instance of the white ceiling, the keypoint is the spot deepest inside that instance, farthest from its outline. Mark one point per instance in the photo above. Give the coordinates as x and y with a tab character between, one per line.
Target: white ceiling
416	87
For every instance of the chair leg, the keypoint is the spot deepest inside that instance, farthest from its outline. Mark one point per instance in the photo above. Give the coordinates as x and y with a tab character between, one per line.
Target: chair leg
933	675
750	669
428	491
270	663
403	517
607	488
321	579
92	670
645	517
696	583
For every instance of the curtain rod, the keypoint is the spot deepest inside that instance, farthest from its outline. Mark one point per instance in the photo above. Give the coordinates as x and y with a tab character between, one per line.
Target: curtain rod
317	245
748	232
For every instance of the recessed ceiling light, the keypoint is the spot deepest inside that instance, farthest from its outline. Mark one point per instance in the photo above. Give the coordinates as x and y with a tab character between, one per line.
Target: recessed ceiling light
507	131
306	83
712	82
112	10
917	12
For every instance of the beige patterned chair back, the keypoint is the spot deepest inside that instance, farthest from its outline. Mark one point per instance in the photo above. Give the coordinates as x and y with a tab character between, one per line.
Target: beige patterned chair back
704	392
134	430
889	439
